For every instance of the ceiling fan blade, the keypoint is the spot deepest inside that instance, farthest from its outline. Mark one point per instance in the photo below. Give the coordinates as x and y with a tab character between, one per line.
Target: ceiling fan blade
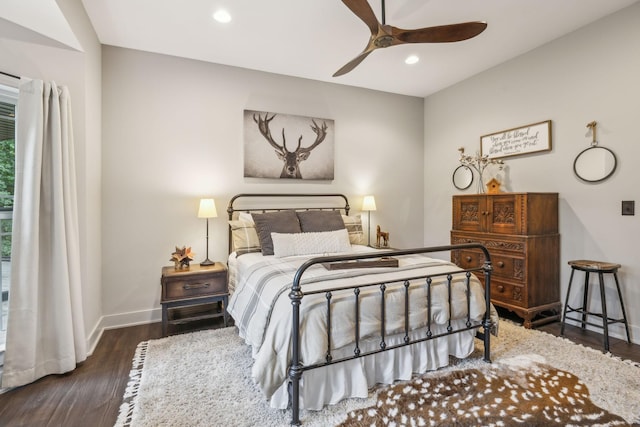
363	10
353	63
440	34
383	35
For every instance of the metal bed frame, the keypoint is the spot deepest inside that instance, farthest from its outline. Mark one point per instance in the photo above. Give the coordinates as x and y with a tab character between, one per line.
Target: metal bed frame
296	368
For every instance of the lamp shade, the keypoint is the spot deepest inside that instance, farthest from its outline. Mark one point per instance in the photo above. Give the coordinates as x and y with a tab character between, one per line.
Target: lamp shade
368	203
207	209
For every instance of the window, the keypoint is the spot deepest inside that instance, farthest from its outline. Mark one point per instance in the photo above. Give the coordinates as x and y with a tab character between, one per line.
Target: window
8	100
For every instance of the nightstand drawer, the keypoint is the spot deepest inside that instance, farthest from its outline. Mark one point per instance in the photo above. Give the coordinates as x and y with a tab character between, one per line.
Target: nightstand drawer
180	289
197	281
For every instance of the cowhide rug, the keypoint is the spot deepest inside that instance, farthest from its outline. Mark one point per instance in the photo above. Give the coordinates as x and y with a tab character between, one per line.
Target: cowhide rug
518	391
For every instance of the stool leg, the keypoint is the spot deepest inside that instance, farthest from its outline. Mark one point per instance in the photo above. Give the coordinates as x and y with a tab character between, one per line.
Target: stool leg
624	314
605	318
566	303
585	294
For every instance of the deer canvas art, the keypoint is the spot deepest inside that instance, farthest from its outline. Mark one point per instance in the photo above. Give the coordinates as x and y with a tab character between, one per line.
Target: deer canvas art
287	146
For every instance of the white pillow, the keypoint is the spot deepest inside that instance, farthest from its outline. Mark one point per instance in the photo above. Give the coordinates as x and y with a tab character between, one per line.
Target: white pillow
323	242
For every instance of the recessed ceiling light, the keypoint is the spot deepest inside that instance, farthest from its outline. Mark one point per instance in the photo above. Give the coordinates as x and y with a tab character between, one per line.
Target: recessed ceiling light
411	59
222	16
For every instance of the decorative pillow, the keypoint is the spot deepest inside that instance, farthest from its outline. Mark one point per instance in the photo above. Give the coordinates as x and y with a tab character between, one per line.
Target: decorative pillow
245	216
315	221
244	237
354	227
274	222
324	242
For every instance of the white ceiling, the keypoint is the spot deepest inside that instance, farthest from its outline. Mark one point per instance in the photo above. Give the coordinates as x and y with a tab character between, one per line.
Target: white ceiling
313	38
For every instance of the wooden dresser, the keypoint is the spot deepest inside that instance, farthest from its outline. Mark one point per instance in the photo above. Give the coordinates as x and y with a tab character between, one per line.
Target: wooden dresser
520	230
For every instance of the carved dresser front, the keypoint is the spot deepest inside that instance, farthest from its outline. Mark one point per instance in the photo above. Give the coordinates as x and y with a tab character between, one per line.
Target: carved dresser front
520	230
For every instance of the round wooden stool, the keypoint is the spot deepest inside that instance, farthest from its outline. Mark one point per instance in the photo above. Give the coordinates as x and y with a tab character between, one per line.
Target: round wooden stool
601	268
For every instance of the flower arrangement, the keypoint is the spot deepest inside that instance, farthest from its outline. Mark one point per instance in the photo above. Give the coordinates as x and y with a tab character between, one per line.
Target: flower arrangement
479	164
182	257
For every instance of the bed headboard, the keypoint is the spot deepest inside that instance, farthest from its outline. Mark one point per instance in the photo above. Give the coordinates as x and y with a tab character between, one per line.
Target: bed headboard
270	202
280	201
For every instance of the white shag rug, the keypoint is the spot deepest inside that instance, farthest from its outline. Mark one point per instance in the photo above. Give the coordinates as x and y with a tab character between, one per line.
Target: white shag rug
204	379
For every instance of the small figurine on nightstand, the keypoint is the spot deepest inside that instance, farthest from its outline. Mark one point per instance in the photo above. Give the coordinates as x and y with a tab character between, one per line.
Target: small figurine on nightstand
384	235
182	257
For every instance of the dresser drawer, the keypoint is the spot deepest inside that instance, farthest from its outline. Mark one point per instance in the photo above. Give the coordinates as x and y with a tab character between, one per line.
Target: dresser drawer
506	243
470	259
508	267
181	288
508	293
505	266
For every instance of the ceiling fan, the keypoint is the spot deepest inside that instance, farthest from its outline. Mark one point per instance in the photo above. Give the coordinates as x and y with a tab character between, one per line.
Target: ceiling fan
383	35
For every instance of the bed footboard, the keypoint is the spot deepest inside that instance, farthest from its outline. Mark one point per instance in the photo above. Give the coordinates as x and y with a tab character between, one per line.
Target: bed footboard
296	296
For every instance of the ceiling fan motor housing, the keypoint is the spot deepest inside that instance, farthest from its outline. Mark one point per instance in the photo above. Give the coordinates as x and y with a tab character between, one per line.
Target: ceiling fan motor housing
383	41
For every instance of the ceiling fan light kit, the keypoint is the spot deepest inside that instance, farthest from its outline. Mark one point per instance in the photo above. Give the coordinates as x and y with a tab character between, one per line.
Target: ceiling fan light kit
383	35
412	59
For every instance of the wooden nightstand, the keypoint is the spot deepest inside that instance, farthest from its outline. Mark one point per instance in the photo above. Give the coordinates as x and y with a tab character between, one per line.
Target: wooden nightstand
195	286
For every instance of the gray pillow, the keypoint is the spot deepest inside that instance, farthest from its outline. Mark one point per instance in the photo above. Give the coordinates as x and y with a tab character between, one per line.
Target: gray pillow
317	221
274	222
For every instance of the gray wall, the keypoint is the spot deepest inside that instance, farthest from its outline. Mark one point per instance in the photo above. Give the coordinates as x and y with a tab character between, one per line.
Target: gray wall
591	74
173	133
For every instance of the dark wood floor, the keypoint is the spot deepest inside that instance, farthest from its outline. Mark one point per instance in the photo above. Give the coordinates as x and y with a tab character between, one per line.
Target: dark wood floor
91	395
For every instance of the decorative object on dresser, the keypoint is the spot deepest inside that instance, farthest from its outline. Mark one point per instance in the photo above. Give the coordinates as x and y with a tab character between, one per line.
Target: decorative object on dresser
493	186
595	163
198	290
207	210
479	163
368	205
521	232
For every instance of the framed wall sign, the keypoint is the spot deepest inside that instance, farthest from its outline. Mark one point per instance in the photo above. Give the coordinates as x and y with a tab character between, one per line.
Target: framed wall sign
287	146
521	140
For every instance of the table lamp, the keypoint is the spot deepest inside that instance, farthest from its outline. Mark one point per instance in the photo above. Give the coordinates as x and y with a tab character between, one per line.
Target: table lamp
368	205
207	210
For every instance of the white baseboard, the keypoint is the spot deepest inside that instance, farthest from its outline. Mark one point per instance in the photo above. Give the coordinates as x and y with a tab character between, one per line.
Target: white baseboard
121	320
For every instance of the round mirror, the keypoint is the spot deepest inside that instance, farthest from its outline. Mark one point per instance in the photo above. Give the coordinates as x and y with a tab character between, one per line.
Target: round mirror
462	177
595	164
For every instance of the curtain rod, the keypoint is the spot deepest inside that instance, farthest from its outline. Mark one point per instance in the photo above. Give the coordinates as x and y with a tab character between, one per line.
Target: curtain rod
10	75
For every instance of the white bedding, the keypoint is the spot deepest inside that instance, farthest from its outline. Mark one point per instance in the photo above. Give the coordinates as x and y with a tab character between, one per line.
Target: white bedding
261	308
